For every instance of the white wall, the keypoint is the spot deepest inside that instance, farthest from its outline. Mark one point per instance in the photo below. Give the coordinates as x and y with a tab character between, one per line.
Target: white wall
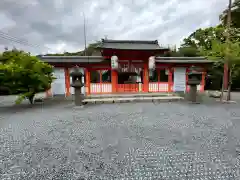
58	85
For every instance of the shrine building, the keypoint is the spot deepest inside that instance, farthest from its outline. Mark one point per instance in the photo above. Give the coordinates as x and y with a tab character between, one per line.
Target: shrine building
126	66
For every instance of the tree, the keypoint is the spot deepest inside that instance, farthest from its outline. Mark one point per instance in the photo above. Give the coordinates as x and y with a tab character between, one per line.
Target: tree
24	74
92	48
202	38
230	51
90	51
189	51
183	52
235	14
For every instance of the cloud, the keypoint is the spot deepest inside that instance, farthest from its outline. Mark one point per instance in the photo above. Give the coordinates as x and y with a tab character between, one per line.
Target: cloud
57	25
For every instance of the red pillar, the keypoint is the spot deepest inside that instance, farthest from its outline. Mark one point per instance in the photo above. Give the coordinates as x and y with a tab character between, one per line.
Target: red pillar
67	82
87	83
225	78
114	80
145	77
203	82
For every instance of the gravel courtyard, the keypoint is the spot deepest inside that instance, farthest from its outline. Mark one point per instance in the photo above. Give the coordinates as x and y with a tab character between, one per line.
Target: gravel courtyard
121	141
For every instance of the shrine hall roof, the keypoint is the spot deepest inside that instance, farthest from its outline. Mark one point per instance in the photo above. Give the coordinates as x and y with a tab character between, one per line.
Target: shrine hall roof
179	60
130	45
99	59
72	59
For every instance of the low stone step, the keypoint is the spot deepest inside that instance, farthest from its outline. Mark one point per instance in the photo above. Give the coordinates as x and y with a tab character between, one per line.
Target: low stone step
130	99
100	96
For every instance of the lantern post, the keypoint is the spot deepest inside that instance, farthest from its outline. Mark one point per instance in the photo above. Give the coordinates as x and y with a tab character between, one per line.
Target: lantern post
194	79
77	85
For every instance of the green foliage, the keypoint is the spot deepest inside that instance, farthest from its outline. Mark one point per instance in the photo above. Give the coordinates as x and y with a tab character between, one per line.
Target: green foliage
24	74
183	52
235	14
211	42
202	38
173	54
226	51
90	50
189	51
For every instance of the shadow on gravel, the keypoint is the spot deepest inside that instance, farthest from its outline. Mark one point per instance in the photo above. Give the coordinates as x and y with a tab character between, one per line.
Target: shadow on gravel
51	102
69	103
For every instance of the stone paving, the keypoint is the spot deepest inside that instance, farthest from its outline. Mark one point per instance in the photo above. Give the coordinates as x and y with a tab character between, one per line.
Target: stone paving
165	141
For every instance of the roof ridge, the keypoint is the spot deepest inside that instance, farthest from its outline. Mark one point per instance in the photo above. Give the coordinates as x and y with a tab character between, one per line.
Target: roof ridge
130	41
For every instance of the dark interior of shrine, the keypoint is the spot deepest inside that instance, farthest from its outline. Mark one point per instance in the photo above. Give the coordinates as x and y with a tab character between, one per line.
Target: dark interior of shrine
126	77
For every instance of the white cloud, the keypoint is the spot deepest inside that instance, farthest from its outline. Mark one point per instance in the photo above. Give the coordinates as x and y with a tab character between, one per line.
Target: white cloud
58	25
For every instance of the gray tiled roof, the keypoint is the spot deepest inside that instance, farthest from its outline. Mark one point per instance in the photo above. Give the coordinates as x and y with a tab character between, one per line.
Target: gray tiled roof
130	44
183	60
72	59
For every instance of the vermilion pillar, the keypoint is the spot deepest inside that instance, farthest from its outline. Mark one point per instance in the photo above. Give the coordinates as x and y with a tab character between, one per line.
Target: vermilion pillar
87	83
145	77
114	80
203	82
67	82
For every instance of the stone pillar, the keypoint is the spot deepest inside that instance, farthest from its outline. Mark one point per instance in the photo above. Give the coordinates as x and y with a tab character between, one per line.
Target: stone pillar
193	93
194	79
78	96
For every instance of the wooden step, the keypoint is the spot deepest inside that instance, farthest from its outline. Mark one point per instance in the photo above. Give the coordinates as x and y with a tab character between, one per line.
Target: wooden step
130	99
128	95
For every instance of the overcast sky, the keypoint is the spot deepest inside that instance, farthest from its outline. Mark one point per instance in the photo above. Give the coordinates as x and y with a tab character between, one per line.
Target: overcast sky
57	25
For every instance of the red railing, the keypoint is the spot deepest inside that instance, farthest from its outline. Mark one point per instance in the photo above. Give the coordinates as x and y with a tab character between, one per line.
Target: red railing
128	88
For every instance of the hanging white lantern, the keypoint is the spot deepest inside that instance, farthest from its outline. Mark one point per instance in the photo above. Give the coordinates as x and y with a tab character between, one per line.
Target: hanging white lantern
166	71
114	62
151	62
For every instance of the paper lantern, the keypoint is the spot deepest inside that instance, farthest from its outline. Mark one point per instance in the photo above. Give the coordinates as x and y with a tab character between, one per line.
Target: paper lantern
166	71
114	62
151	62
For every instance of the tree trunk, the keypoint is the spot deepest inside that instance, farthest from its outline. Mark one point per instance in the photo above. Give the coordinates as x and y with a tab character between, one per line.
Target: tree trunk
229	85
222	90
228	41
229	92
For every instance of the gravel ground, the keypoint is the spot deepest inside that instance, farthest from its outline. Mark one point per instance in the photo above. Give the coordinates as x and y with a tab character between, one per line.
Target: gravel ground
121	141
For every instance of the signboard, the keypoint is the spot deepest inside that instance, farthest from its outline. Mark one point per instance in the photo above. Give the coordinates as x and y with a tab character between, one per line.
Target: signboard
179	79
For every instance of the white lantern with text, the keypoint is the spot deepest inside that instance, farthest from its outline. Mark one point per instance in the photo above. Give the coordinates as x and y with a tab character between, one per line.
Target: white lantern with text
114	62
151	63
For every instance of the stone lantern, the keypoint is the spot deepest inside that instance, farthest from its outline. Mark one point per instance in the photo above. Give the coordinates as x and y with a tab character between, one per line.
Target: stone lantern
77	85
194	79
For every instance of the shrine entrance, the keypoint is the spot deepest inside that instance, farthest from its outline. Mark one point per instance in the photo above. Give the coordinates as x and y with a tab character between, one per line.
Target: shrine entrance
129	77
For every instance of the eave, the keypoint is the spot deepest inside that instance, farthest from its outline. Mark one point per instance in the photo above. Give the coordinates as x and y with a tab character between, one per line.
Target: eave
184	60
72	59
